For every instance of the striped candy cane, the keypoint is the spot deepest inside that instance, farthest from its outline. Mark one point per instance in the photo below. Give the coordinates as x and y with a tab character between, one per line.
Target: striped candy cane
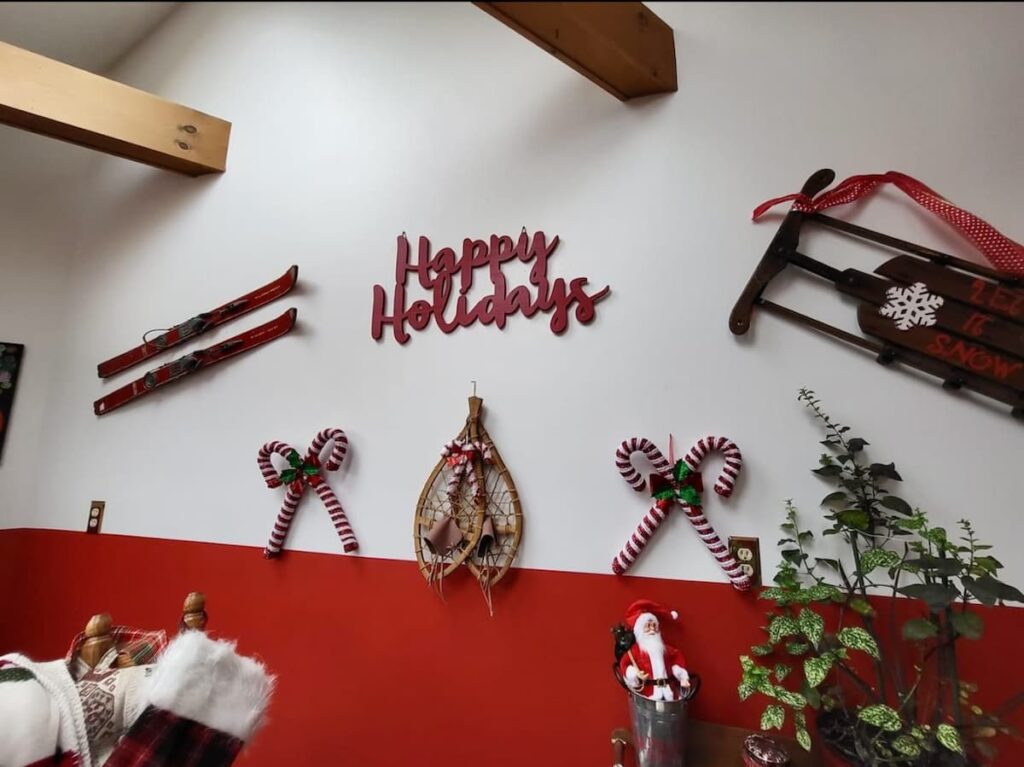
460	455
638	541
306	472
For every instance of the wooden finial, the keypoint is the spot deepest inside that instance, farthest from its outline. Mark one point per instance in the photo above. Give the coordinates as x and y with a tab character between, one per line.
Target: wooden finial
193	612
98	639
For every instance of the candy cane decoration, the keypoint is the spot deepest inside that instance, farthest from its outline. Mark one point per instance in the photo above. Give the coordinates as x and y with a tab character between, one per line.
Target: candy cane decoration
679	482
303	472
460	455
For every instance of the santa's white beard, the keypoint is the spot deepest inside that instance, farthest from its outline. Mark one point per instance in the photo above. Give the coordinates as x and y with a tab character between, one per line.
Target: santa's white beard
653	647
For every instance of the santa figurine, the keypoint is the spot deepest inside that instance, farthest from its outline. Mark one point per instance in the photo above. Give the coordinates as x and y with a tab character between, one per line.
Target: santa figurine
652	668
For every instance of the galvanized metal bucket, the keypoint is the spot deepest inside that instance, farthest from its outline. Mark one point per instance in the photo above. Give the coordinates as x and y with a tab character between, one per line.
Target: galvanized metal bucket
659	728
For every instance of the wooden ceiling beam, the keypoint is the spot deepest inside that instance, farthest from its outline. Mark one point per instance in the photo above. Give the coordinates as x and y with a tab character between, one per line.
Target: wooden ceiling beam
61	101
623	47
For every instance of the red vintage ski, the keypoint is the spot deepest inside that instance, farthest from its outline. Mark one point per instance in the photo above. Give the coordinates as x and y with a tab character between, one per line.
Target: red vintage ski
201	323
198	360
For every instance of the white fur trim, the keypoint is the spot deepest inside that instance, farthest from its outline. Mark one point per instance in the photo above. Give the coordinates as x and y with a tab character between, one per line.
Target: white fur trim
633	677
675	615
53	677
207	681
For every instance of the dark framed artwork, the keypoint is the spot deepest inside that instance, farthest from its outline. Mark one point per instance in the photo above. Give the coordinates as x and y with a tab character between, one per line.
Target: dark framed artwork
10	366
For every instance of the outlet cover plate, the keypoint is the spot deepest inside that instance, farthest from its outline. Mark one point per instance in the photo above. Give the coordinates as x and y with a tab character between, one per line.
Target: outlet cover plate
748	553
95	521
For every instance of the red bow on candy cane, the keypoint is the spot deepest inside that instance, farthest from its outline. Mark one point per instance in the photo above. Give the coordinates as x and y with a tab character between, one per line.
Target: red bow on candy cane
1002	252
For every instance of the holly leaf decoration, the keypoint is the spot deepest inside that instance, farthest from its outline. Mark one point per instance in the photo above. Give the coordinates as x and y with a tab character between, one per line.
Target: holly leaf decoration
288	476
689	496
294	459
882	717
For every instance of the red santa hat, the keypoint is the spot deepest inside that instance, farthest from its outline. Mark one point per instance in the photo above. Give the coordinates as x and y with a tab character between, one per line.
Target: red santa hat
638	613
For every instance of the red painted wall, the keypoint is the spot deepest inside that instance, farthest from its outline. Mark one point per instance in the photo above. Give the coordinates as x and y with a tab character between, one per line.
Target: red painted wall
374	670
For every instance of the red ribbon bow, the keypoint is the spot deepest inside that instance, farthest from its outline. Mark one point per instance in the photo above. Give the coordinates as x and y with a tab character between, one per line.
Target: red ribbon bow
1002	252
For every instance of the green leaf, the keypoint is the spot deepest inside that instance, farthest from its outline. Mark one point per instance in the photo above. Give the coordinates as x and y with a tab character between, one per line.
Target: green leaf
861	606
1004	591
797	648
882	717
919	628
812	625
897	504
875	558
886	470
802	736
746	664
782	671
943	566
907	746
762	649
838	498
983	592
745	690
988	564
828	471
812	695
773	717
856	444
858	639
816	669
855	518
794	699
968	625
935	595
782	626
949	737
821	592
833	563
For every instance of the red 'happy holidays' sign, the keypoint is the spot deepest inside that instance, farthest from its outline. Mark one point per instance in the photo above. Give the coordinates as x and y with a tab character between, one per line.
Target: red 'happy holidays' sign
438	274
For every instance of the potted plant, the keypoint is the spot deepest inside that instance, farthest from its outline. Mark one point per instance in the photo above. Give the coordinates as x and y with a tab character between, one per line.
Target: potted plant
886	690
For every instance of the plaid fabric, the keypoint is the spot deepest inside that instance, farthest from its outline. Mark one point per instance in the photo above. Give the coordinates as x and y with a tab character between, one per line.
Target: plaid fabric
141	646
161	739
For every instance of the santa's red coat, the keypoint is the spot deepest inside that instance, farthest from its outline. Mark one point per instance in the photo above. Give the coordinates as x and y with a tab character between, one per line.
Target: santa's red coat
641	660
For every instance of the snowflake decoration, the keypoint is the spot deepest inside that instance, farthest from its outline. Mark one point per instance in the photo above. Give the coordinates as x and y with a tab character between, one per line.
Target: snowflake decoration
911	306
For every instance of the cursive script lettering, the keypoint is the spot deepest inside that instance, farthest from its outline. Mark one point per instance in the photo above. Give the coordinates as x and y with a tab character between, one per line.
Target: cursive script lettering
448	277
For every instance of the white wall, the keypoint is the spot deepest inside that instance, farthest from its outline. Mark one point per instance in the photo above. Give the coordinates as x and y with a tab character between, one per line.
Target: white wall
355	122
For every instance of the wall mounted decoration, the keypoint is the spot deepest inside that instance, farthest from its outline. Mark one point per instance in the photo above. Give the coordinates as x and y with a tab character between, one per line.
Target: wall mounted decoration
196	361
679	482
201	323
447	278
951	318
468	512
10	366
303	472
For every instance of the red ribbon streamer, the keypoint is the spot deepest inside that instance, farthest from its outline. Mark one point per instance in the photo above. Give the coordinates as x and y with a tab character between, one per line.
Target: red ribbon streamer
1002	252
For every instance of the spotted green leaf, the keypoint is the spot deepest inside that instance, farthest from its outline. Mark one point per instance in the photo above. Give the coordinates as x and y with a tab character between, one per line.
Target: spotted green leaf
861	606
762	649
812	625
875	558
907	746
792	699
782	626
948	736
816	669
797	648
745	690
858	639
882	717
782	671
773	717
802	736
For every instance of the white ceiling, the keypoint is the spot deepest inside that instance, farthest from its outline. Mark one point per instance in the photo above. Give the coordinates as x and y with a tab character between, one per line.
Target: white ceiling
92	36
